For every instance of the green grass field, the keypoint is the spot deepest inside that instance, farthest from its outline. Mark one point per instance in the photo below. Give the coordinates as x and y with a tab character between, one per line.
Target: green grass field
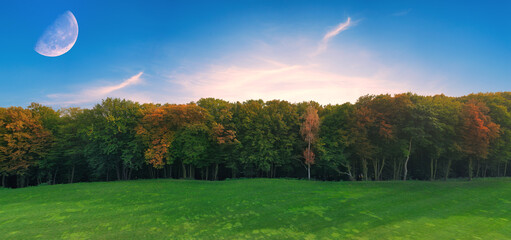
259	209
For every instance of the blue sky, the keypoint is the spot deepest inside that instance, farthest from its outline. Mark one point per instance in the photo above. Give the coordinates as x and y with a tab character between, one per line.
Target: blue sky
180	51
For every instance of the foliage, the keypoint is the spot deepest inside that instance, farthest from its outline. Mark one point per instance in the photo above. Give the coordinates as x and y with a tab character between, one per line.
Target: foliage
23	141
159	126
379	137
309	131
112	142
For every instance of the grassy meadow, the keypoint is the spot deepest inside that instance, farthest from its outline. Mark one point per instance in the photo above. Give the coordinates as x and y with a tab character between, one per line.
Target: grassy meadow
259	209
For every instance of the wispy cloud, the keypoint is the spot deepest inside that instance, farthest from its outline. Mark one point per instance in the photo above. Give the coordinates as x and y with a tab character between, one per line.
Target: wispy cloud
278	68
102	91
323	45
284	69
95	94
325	79
402	13
289	82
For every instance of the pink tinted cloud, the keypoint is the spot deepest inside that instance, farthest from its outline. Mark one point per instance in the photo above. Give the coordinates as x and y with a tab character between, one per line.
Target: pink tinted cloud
288	82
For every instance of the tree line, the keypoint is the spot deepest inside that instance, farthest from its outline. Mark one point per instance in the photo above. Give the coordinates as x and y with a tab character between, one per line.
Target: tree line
380	137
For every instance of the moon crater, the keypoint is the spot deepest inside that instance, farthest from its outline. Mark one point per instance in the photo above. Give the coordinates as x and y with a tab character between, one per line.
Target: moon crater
59	37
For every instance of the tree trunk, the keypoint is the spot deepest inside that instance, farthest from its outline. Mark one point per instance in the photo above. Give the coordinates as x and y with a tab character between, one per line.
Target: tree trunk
447	169
55	176
436	168
233	173
20	181
478	167
3	180
470	169
381	169
349	173
375	168
406	161
184	170
364	168
117	171
378	169
72	174
308	163
215	175
432	170
505	169
125	172
308	170
397	169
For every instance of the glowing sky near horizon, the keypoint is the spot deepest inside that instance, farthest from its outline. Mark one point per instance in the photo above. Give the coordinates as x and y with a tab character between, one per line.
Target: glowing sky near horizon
327	51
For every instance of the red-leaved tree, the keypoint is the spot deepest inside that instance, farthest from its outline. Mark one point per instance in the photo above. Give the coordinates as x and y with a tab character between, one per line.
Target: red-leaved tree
477	132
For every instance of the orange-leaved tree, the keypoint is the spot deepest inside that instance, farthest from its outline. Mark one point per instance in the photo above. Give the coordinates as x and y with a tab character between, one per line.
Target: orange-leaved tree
477	132
159	125
309	131
23	142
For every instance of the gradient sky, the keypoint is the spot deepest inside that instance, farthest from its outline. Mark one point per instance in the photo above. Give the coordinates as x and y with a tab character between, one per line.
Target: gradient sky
327	51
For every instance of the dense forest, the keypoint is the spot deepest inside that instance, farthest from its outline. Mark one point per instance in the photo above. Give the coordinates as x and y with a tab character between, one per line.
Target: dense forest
382	137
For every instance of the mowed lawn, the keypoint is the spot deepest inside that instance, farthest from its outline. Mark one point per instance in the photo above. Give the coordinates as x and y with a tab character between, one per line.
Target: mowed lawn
259	209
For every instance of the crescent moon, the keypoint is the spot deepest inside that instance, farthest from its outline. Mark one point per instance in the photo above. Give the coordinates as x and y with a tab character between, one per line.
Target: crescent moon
59	37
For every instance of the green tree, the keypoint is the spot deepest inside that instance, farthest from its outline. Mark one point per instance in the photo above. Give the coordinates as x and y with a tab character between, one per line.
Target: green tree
190	147
283	124
112	143
334	141
71	140
223	132
50	163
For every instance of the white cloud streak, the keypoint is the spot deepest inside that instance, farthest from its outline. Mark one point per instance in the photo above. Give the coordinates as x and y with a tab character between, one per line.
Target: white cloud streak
323	45
95	94
103	91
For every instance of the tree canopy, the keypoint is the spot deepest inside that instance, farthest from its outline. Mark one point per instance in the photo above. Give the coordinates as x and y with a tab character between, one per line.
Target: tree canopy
379	137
